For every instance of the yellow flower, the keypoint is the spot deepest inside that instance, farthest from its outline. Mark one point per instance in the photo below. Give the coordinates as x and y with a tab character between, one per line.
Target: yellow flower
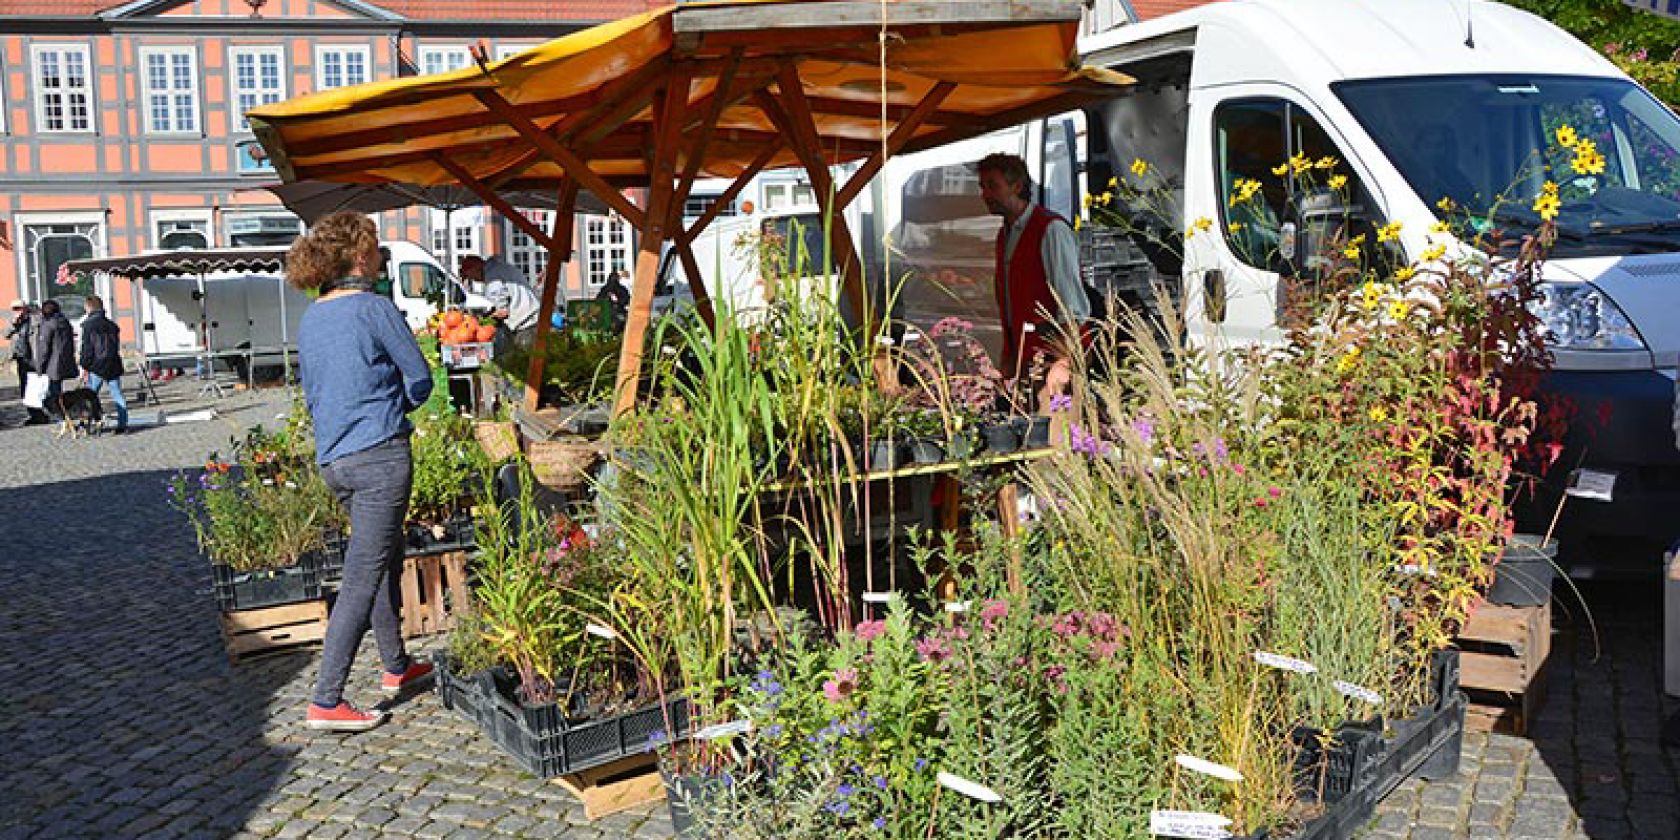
1326	162
1587	160
1139	167
1351	251
1404	273
1204	223
1566	136
1337	181
1373	295
1432	253
1548	204
1348	360
1233	227
1388	232
1114	183
1105	198
1088	201
1398	310
1299	163
1440	227
1446	204
1281	169
1244	189
1078	222
1378	414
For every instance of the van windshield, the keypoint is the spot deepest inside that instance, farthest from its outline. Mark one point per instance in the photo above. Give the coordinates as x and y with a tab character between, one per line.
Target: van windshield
1474	139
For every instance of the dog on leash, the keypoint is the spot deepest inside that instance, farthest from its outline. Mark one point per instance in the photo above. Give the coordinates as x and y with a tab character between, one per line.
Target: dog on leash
81	412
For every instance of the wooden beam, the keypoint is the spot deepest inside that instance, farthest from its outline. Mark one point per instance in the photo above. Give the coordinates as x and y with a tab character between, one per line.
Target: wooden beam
697	150
900	135
829	106
553	276
792	114
575	167
771	149
901	13
619	101
654	233
490	197
696	283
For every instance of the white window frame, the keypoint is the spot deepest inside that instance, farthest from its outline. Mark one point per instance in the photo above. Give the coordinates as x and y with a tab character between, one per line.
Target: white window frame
503	51
40	288
171	93
40	91
524	252
321	52
443	53
599	250
262	94
197	215
468	230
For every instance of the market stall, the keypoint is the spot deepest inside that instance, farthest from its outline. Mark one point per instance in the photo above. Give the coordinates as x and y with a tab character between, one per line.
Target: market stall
726	90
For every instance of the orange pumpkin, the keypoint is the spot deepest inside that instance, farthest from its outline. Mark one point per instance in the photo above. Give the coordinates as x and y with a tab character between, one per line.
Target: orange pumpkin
485	332
470	322
452	318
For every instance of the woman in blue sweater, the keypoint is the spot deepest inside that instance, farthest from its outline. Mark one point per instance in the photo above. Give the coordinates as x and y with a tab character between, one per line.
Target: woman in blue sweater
362	374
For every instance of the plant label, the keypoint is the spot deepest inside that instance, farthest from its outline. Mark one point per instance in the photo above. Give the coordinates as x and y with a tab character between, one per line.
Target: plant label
1208	768
877	597
1192	825
972	790
1597	485
1284	663
604	632
724	730
1358	692
956	606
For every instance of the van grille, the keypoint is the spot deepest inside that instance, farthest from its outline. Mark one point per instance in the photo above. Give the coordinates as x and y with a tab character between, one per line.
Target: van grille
1666	268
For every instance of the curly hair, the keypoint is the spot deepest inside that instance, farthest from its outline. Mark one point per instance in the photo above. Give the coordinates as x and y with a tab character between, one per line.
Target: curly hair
329	251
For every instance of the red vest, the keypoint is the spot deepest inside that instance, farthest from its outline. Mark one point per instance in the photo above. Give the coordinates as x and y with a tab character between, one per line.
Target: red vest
1026	296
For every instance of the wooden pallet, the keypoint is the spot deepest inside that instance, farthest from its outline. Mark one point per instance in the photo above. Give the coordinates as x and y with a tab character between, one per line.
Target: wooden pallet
1502	665
434	589
623	784
249	633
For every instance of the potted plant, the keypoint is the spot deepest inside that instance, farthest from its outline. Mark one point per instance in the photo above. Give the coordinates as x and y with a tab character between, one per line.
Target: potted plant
447	469
925	431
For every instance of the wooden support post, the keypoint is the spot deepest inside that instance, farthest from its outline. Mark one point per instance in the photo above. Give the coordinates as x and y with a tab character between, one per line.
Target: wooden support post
1009	523
553	275
661	181
792	114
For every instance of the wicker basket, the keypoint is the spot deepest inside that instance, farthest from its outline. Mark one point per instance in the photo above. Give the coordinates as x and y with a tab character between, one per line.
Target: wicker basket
562	464
498	439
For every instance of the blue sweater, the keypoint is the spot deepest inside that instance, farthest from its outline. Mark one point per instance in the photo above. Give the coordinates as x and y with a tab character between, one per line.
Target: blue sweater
362	373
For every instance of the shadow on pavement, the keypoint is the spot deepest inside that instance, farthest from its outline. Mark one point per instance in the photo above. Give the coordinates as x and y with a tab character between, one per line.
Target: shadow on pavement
119	712
1598	735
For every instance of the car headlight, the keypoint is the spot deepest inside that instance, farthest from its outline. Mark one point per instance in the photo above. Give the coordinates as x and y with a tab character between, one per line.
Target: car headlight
1577	316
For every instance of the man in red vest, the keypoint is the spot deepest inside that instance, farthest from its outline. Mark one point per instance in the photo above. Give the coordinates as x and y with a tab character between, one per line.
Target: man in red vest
1039	293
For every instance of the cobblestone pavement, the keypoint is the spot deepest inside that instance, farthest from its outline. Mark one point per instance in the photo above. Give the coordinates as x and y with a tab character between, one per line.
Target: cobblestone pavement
120	717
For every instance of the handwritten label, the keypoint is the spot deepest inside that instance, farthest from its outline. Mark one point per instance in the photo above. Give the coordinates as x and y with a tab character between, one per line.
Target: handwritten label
1413	570
594	629
956	606
1193	825
1592	484
972	790
1358	692
877	597
1284	663
1208	768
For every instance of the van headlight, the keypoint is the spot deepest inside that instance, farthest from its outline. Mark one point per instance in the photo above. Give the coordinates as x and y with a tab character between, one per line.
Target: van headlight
1577	316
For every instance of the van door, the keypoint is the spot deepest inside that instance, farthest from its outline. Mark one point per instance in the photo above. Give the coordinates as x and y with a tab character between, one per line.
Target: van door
1276	178
416	287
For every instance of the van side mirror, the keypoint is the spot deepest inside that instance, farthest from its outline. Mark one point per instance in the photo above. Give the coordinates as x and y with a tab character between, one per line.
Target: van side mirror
1319	219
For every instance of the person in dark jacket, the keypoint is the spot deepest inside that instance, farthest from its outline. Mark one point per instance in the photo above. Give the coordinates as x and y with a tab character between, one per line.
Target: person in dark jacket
101	357
22	336
55	350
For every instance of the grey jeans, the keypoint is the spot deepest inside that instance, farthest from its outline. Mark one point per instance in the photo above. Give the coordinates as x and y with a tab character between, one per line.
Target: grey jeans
373	486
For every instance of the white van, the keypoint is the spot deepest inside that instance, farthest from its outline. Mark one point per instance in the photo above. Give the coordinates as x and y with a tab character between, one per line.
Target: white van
261	312
1418	100
727	253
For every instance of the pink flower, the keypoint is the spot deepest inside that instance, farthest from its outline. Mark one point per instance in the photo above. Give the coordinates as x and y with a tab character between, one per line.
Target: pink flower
841	687
995	610
1239	469
932	649
868	631
1274	492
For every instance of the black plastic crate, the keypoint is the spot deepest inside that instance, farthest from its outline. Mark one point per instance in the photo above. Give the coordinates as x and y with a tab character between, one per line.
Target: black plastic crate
544	741
268	587
332	556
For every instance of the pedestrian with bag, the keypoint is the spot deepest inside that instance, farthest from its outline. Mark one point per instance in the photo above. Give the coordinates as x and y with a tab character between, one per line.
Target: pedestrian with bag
362	374
22	336
55	352
101	357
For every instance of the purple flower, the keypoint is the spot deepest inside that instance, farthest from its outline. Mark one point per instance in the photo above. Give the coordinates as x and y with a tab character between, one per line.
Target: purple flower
1145	429
921	764
841	807
766	684
881	782
1061	402
845	790
774	730
879	823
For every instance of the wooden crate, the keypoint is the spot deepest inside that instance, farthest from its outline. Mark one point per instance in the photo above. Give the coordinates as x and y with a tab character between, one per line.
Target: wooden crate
434	589
624	784
248	633
1502	665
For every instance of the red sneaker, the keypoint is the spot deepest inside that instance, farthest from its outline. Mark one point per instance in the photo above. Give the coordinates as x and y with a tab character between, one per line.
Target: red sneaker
417	673
342	718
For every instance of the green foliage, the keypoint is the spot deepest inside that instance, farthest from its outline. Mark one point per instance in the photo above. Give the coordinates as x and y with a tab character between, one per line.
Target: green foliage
580	368
448	466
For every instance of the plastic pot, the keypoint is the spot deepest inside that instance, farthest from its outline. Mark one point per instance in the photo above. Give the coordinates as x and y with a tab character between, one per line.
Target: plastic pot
926	451
1523	577
1001	437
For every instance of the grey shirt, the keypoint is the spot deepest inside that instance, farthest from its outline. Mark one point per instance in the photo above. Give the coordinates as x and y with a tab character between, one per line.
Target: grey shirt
1061	265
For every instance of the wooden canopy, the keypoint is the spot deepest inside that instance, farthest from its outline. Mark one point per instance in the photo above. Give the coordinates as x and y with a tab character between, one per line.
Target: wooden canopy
704	89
